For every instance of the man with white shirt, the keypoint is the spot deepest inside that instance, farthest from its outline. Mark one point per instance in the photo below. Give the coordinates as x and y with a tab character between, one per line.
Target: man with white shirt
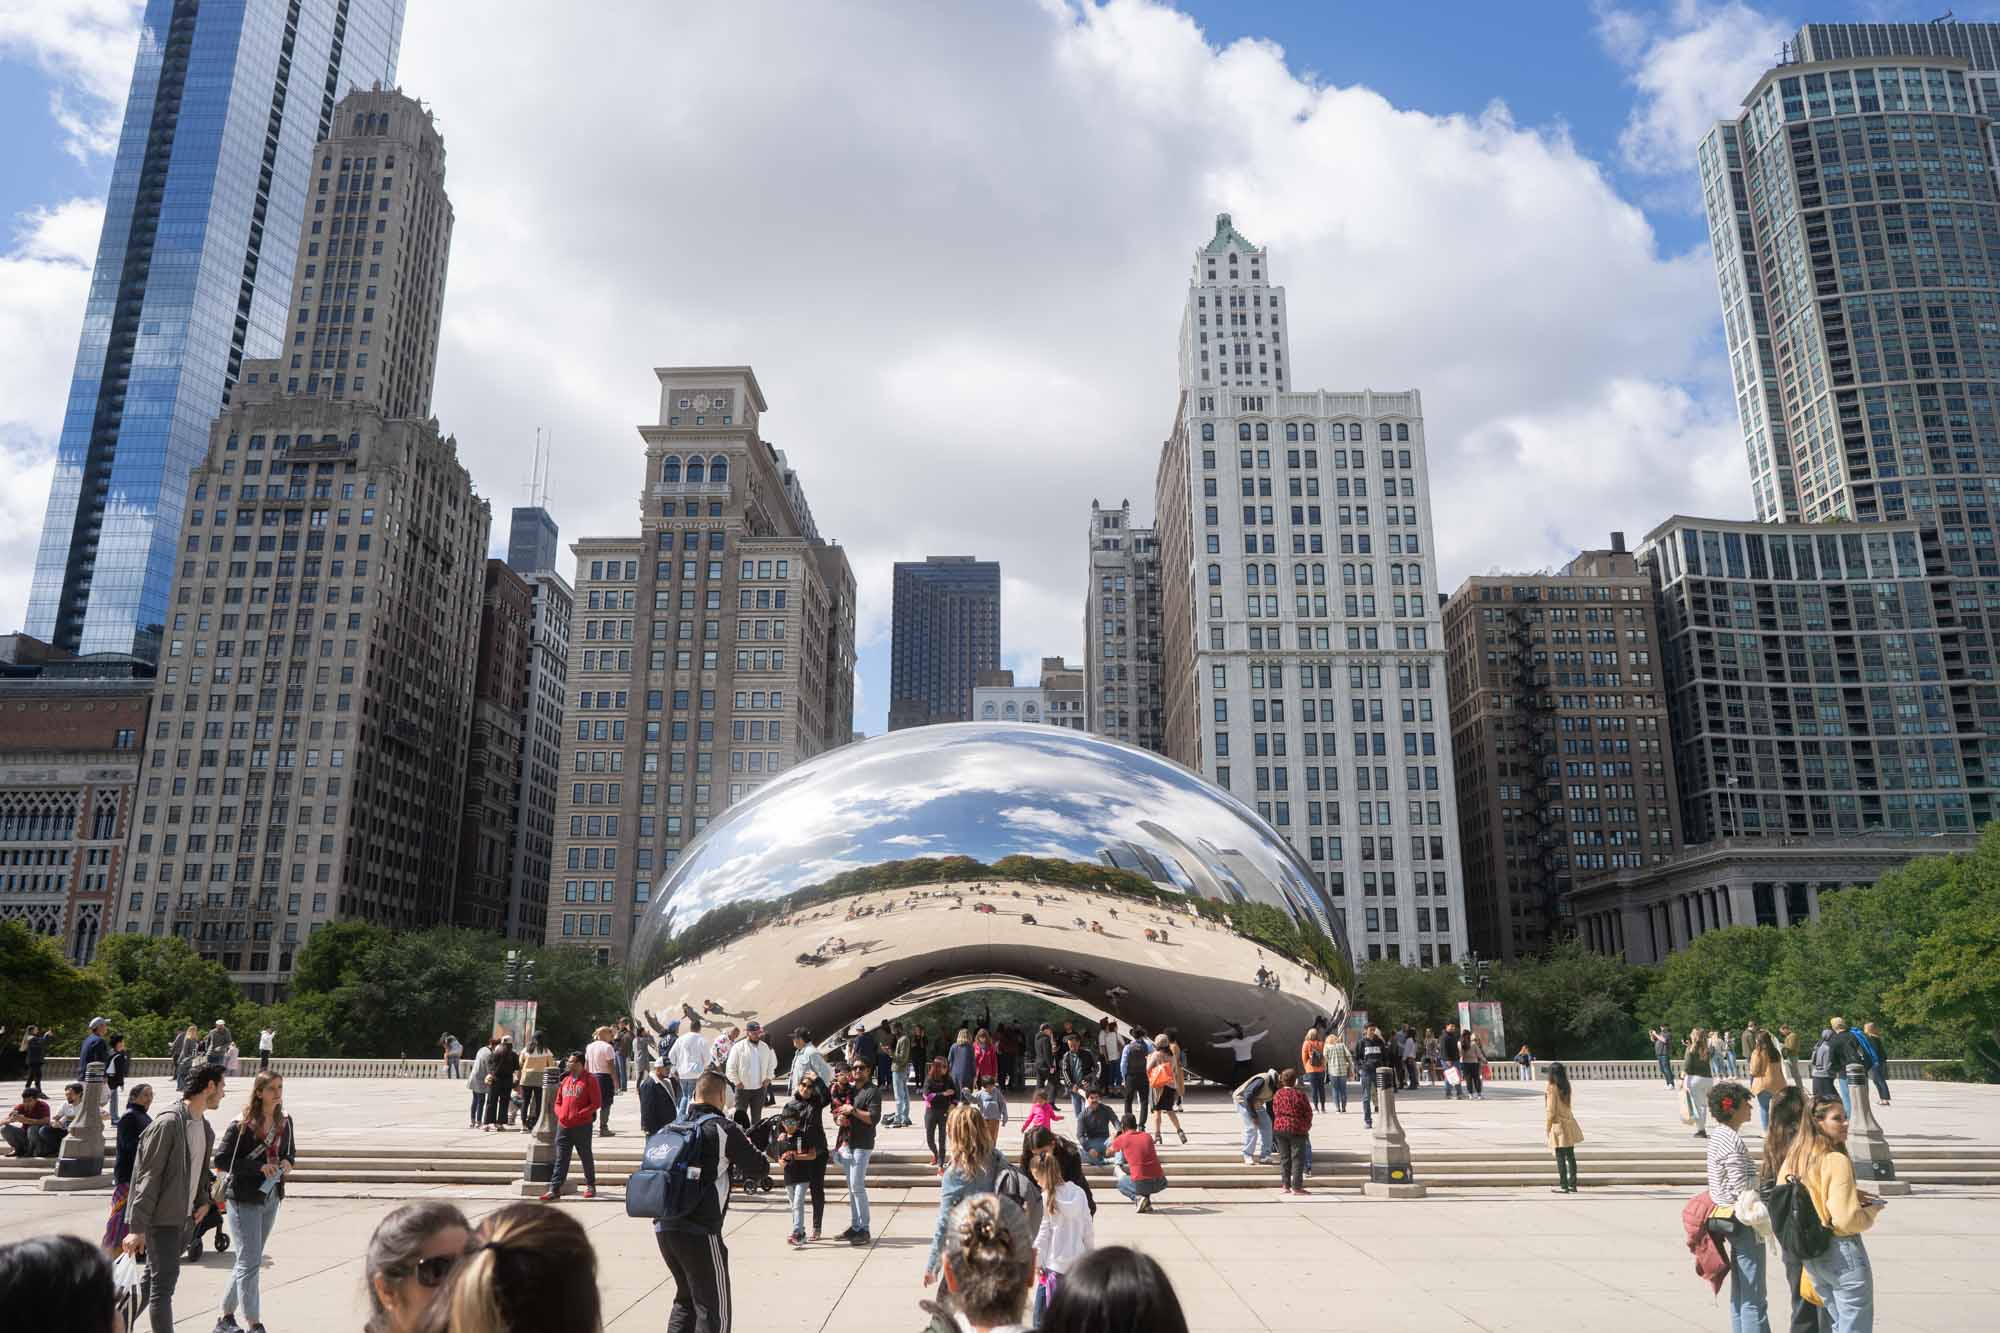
689	1060
752	1065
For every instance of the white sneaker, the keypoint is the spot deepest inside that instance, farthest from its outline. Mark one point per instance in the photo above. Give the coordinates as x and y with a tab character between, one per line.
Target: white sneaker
1248	1160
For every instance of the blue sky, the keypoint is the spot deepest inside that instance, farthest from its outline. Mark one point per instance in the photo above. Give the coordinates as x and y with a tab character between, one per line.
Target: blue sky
1027	160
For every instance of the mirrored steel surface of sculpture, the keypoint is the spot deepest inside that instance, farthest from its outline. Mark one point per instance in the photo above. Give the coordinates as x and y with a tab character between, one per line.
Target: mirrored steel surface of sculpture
941	859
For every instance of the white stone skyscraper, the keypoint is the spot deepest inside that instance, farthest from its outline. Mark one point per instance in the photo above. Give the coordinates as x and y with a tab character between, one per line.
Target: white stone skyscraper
1302	646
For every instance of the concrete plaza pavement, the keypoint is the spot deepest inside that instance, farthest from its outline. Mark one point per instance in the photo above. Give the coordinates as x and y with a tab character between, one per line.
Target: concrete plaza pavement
1459	1260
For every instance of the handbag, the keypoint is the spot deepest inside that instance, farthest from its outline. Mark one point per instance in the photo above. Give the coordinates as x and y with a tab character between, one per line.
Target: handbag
129	1290
1452	1077
218	1193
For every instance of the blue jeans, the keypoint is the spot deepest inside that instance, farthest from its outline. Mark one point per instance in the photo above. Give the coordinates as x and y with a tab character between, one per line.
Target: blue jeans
619	1063
1846	1100
1877	1073
1747	1310
1846	1283
1764	1110
249	1227
1339	1091
1316	1089
1666	1068
478	1105
900	1080
1256	1131
1093	1149
1076	1102
1136	1190
855	1161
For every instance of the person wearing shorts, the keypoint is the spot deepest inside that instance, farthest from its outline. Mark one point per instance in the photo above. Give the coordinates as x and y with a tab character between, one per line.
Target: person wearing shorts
1163	1075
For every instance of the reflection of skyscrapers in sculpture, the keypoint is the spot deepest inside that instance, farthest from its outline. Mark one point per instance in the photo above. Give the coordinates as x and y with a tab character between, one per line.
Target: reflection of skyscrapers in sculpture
1302	654
201	234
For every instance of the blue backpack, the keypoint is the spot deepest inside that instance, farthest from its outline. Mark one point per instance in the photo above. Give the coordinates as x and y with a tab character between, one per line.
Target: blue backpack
668	1186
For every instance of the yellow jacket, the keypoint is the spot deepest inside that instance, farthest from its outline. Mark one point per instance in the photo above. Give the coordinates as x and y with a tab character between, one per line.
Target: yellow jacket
1563	1131
1831	1184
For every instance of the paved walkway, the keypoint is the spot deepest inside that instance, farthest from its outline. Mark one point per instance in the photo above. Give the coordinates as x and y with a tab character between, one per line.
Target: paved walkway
1459	1260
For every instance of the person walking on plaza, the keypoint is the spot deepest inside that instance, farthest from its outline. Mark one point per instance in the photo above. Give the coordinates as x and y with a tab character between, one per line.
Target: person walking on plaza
940	1095
534	1064
1042	1113
1137	1159
1841	1274
131	1128
1730	1175
500	1073
1291	1122
1560	1127
1788	1043
1823	1066
35	1051
256	1151
1727	1042
1697	1079
692	1244
751	1066
219	1042
857	1121
1132	1057
115	1072
992	1102
453	1050
1472	1065
1788	1114
1407	1048
1079	1071
689	1060
902	1051
1848	1049
1312	1063
577	1098
1663	1051
1045	1055
1067	1231
885	1057
1448	1053
1163	1079
985	1057
1870	1037
169	1187
1252	1098
1525	1058
1767	1074
600	1060
267	1039
964	1064
482	1063
1372	1053
182	1050
972	1167
96	1047
408	1259
658	1105
623	1044
1339	1068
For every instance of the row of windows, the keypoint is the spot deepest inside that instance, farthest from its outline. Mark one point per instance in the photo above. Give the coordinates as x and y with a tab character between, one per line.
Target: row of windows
1339	432
715	470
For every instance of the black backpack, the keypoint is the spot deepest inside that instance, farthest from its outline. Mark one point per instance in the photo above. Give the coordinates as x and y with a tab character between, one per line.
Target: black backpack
1795	1219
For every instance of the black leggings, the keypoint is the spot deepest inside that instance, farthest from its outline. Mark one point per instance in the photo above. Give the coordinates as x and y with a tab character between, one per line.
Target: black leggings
935	1115
1469	1070
1566	1168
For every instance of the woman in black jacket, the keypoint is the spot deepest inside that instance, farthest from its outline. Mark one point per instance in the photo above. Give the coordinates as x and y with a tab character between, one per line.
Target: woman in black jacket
940	1095
1069	1157
130	1126
256	1151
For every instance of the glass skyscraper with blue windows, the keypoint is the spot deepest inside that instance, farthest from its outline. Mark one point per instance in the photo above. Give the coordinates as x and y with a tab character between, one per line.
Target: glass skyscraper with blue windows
193	277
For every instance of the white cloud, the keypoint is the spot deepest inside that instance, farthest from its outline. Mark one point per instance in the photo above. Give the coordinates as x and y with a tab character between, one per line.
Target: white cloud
44	277
87	47
1691	67
956	253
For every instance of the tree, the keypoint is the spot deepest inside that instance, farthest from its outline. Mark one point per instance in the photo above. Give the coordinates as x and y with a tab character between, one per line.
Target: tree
574	995
1953	986
1572	1003
1395	994
162	978
1720	981
38	985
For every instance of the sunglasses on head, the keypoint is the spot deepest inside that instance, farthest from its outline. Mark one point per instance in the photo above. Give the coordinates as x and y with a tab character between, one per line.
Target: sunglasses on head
433	1271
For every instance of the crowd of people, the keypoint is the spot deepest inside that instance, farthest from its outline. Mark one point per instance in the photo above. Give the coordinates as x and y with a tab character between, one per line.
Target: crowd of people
1771	1062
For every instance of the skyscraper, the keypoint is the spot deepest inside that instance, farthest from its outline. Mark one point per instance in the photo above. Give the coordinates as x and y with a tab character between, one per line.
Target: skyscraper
1121	628
1856	231
531	540
944	630
716	651
1559	741
201	239
314	702
1302	656
533	553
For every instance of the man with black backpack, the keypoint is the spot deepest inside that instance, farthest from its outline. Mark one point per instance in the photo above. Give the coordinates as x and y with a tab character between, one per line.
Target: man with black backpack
692	1199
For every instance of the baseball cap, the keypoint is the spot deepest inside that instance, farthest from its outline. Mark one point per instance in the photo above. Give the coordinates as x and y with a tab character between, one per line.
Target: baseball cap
754	1026
100	1022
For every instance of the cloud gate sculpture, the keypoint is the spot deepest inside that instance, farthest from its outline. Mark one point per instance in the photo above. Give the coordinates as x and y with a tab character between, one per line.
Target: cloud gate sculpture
929	862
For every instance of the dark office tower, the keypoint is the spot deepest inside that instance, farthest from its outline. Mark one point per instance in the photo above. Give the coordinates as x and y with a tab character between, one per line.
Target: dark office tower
531	541
945	631
202	235
493	770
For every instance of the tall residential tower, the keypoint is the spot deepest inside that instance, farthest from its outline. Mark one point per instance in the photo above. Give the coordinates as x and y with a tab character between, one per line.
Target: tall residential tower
201	240
1302	652
1121	629
944	631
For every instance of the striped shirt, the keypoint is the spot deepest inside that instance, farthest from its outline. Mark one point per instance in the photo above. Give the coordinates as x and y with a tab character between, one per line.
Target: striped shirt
1729	1169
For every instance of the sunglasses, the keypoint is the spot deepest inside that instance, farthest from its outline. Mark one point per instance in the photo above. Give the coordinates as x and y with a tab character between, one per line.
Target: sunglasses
433	1271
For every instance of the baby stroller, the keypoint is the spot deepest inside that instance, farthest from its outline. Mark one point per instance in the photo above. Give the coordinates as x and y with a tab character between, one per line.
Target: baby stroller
210	1221
760	1139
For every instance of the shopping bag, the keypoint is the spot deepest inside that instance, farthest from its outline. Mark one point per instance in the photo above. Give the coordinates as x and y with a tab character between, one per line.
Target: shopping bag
129	1289
1451	1076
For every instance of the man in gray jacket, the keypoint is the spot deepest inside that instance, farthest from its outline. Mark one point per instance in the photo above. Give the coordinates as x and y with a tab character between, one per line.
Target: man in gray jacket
166	1193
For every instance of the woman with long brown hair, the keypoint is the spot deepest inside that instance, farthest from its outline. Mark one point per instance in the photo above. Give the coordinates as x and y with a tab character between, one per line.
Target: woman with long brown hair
1841	1273
525	1268
256	1151
1788	1112
971	1166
